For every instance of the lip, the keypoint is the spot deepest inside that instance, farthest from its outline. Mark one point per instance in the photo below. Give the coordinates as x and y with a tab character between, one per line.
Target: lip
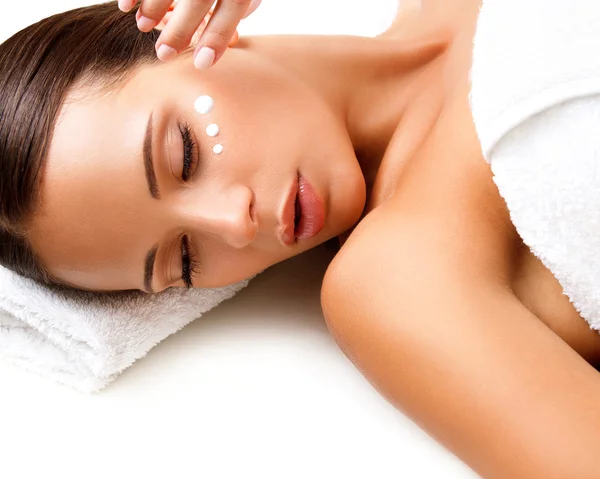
287	215
312	210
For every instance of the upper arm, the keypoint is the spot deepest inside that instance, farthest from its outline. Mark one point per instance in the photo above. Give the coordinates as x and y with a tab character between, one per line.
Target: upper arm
462	357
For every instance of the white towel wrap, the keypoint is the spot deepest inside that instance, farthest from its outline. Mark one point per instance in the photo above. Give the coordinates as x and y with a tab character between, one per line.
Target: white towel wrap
535	99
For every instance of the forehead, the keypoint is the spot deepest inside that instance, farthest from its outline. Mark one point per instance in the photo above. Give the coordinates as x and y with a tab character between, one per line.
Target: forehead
92	178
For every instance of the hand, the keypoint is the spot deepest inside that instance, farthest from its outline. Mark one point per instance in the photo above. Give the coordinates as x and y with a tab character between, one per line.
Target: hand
189	21
197	34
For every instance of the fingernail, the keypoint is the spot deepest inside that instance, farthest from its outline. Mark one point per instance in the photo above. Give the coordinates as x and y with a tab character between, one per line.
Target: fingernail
126	5
145	24
204	58
166	53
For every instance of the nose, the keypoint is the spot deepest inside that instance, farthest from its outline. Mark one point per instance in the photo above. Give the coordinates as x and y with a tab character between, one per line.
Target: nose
226	215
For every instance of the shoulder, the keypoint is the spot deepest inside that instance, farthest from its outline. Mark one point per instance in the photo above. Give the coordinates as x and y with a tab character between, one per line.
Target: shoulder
408	252
449	344
394	258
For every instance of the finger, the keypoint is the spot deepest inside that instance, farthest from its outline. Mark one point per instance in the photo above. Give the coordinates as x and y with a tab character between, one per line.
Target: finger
219	32
198	32
232	43
151	12
126	5
183	23
254	4
235	39
163	23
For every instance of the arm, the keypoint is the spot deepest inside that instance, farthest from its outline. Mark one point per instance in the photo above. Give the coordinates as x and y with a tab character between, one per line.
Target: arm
462	357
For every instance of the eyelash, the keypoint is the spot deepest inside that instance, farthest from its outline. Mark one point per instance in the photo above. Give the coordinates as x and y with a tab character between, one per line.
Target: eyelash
189	147
189	264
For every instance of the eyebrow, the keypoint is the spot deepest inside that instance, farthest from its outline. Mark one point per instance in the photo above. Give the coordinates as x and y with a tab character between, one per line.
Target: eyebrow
149	269
155	193
149	162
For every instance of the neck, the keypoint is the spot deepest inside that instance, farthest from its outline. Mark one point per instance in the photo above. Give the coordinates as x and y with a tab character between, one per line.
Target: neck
369	83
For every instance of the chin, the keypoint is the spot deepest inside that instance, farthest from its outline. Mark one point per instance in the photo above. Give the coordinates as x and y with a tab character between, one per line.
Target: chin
347	198
356	207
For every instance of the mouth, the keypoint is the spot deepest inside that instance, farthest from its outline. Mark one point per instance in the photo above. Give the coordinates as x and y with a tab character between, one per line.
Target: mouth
297	211
303	214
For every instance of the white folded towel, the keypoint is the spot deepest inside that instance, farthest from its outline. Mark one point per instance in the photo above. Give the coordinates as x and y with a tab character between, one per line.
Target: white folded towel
535	98
84	340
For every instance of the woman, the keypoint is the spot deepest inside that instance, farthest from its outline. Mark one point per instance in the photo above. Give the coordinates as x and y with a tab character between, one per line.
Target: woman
122	172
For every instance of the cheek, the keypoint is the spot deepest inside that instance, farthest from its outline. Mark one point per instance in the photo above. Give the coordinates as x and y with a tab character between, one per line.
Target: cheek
266	112
275	132
225	266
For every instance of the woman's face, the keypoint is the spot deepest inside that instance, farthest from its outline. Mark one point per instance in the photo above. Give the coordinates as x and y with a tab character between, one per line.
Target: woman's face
100	227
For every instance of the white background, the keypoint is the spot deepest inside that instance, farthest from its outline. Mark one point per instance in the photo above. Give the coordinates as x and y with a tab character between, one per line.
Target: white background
256	387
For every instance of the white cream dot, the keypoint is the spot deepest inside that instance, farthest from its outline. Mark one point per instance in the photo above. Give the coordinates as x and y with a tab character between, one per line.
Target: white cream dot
212	130
204	104
218	149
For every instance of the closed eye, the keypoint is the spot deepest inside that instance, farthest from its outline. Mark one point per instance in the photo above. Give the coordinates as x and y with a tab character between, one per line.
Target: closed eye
190	156
189	263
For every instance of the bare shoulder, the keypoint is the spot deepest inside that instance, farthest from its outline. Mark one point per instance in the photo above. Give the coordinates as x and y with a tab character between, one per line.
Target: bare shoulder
400	253
386	255
448	343
366	256
443	219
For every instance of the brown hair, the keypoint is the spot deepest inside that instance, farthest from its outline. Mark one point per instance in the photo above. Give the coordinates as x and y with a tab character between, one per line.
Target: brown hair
38	67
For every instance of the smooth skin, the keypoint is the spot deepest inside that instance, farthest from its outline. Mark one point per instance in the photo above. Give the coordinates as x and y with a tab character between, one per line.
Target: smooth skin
449	316
433	296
